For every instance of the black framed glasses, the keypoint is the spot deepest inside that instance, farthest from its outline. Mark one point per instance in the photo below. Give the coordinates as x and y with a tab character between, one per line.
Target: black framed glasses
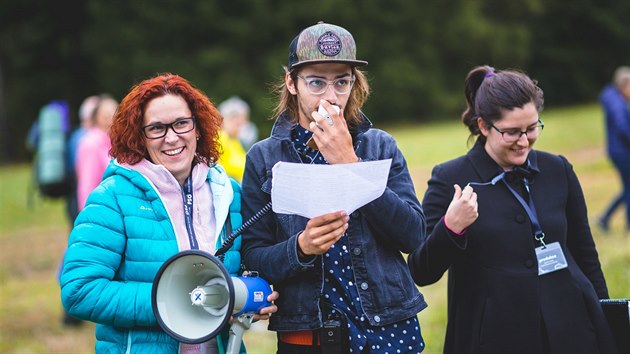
512	135
318	86
158	130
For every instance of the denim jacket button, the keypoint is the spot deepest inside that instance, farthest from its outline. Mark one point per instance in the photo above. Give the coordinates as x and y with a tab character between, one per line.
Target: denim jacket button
364	286
356	251
377	319
355	214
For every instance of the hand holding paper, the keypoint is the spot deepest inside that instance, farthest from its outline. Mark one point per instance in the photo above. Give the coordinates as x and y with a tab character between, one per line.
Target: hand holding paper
313	190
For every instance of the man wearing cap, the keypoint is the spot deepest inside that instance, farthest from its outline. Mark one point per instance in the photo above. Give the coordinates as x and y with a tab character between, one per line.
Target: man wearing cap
345	285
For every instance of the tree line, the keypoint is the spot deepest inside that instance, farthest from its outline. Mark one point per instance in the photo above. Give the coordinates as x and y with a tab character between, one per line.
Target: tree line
418	51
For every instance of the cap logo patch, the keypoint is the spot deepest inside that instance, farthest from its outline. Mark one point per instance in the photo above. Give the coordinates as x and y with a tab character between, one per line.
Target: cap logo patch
329	44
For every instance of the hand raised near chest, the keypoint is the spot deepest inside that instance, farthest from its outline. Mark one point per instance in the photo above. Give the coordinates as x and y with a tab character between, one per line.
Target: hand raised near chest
332	135
462	211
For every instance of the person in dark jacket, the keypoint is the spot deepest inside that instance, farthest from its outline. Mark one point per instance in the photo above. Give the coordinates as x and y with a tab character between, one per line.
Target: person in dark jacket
338	271
509	223
614	99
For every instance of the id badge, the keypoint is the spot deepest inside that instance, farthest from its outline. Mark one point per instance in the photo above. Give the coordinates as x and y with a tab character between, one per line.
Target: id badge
550	258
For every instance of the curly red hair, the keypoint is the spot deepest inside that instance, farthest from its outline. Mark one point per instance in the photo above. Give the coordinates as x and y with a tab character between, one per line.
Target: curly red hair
128	141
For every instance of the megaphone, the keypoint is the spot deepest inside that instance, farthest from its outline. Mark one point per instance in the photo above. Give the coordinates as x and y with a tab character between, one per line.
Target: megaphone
194	297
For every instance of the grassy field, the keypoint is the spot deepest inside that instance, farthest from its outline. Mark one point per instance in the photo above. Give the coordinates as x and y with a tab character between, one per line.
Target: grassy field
32	238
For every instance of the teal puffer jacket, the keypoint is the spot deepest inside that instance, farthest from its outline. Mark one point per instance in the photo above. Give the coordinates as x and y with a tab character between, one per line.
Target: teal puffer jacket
118	243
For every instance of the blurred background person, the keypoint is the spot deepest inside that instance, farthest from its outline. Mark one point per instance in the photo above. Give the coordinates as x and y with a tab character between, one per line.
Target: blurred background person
47	140
93	148
614	99
248	134
162	194
235	114
86	110
524	272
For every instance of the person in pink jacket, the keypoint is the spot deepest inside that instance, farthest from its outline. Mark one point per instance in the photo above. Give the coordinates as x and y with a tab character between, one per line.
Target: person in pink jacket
93	151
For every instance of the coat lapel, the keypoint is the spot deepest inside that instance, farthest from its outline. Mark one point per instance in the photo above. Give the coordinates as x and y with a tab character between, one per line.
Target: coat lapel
486	168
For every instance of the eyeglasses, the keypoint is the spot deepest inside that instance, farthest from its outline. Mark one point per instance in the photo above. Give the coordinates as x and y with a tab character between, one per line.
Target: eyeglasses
158	130
512	135
318	86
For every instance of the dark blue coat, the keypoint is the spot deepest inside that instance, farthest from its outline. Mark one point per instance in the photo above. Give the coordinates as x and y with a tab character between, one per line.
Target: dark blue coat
497	302
617	112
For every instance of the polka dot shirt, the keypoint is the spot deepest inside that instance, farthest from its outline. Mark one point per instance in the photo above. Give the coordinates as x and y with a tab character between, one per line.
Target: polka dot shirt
341	291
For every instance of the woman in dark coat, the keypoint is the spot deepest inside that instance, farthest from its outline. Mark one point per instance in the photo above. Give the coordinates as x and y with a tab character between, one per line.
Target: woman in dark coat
522	279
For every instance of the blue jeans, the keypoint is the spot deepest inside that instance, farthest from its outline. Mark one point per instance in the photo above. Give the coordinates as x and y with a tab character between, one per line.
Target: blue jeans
614	204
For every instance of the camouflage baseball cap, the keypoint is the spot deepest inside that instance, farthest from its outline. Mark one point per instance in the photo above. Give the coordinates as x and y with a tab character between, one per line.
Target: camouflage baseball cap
322	43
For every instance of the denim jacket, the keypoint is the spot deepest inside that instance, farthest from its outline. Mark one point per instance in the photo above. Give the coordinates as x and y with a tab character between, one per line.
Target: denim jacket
377	234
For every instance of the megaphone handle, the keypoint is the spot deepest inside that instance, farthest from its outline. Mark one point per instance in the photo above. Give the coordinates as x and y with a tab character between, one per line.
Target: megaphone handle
237	329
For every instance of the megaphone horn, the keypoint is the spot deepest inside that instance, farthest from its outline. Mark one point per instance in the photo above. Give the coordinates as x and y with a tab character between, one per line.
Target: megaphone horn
194	297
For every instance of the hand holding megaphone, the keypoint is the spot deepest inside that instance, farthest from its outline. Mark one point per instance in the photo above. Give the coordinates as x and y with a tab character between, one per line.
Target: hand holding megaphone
194	298
266	311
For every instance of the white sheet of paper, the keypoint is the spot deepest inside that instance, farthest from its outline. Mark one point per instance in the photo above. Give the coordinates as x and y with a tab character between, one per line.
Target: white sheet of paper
313	190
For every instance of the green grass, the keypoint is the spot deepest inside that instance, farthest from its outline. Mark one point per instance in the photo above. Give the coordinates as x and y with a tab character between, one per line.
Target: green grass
32	239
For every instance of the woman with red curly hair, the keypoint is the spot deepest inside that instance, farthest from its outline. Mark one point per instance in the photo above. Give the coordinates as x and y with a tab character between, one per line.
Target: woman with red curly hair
163	193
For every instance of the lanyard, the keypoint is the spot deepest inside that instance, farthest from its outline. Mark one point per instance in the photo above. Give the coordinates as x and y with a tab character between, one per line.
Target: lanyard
187	195
529	207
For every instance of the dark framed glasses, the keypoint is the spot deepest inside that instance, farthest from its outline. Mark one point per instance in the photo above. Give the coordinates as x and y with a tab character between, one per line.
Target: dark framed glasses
158	130
512	135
